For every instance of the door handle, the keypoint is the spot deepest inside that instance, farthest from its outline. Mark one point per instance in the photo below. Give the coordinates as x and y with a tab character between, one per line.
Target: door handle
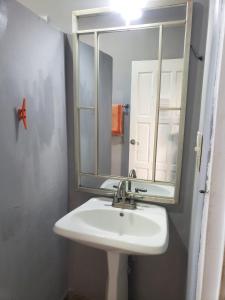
132	142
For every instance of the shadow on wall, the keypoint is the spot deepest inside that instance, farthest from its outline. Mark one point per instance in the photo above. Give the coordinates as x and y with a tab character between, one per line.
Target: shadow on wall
88	272
181	214
160	277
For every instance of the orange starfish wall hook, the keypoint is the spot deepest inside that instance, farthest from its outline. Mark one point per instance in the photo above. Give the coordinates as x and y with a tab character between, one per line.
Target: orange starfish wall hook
22	113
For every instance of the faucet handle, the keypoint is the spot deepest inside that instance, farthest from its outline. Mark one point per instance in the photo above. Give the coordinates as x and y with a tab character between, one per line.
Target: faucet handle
137	190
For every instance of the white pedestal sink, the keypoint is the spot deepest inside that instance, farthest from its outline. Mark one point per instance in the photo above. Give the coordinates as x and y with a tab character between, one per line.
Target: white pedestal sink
120	232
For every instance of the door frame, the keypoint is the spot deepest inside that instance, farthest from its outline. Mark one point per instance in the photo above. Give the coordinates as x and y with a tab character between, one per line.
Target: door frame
207	237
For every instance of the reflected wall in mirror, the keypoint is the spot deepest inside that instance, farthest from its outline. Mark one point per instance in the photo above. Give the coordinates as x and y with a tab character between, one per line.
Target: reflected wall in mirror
132	86
94	112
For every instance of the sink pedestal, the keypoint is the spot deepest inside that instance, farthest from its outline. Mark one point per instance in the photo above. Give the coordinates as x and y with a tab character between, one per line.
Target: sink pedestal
143	231
117	287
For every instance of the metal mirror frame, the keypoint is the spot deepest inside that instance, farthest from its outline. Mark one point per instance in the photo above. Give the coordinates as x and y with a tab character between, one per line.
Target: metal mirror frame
187	43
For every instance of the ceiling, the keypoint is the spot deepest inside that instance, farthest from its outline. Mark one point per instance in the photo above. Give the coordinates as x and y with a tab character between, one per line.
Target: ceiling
59	11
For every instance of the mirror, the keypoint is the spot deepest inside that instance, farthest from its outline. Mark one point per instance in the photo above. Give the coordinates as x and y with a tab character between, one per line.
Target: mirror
131	99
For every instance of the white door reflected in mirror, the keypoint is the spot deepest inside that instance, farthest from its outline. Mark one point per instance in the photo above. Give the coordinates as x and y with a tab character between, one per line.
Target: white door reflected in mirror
143	115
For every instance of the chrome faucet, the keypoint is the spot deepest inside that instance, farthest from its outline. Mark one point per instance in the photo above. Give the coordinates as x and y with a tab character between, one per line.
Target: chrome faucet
132	174
121	191
122	199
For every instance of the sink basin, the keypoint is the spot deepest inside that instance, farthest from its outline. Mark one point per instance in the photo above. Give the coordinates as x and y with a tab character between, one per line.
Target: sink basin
96	223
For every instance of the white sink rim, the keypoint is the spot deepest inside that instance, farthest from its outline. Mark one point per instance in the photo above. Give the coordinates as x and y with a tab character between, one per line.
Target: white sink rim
153	189
143	245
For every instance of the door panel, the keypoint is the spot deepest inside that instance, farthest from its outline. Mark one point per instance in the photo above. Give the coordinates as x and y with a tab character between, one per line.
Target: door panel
143	114
143	99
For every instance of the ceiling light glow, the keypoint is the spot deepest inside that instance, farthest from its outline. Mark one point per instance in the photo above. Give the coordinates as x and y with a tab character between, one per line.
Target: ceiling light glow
129	9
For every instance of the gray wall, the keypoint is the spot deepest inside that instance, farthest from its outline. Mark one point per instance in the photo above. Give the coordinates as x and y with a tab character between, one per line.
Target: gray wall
33	163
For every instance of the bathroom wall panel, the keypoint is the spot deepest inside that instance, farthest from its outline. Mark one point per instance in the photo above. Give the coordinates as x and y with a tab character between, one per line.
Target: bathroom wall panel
33	162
